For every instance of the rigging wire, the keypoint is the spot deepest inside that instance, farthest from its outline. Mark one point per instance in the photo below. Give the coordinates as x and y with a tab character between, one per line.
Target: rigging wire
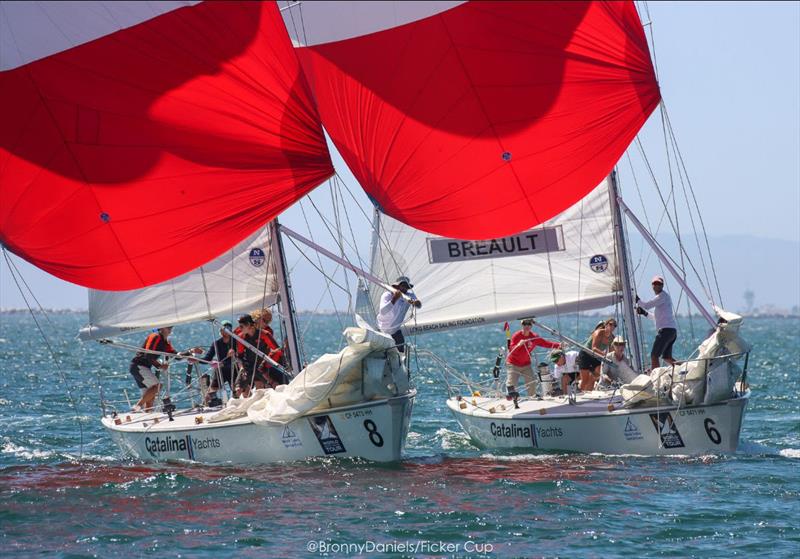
665	206
677	218
340	242
377	234
696	204
319	268
17	277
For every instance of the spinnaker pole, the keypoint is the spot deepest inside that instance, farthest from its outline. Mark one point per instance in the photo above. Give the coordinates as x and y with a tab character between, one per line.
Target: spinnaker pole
666	261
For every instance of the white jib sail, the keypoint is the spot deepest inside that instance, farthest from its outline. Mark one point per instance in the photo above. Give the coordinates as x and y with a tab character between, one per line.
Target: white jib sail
567	264
240	280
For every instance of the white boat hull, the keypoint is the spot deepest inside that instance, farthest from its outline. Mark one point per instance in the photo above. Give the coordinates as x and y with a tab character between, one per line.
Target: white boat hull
374	430
590	427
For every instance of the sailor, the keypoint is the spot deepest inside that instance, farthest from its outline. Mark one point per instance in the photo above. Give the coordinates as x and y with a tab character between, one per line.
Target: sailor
263	318
518	362
589	361
617	367
143	362
221	352
272	376
666	325
566	368
393	309
255	372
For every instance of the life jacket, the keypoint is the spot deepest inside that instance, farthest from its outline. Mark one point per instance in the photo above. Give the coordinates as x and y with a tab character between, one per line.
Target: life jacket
154	342
275	353
264	341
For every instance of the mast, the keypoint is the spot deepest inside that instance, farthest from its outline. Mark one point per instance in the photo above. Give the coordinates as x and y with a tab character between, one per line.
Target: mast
628	309
286	303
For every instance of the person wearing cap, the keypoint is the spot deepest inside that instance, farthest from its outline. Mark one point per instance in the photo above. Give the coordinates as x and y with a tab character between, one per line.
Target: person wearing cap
666	326
617	367
518	361
393	308
143	362
221	353
566	367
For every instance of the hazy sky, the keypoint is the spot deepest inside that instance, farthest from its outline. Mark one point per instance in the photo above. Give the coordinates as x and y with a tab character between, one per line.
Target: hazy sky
730	77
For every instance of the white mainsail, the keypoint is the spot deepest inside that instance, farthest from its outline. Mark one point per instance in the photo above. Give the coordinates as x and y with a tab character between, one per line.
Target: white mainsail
239	280
567	264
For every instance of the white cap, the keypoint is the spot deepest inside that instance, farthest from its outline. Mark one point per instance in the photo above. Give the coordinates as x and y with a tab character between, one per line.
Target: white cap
658	279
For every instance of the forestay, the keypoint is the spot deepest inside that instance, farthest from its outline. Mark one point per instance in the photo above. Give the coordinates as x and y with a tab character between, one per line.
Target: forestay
467	283
239	280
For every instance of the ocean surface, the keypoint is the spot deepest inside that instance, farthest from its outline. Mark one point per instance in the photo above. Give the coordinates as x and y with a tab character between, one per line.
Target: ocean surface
65	491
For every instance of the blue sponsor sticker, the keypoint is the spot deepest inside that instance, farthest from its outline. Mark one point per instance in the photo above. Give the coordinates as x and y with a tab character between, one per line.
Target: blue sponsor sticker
598	263
257	257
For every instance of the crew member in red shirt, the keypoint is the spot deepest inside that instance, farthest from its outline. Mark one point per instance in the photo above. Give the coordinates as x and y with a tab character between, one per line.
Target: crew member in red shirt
518	362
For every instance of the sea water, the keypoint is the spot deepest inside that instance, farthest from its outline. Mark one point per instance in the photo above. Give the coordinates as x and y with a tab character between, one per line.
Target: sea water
65	490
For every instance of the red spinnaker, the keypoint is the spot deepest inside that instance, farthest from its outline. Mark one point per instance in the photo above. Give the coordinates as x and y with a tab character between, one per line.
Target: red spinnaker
485	118
145	152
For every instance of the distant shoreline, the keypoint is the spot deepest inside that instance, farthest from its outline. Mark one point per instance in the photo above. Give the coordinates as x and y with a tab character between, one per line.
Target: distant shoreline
333	313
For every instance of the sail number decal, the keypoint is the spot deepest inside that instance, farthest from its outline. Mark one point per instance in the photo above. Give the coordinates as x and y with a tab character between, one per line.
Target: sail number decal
374	437
712	433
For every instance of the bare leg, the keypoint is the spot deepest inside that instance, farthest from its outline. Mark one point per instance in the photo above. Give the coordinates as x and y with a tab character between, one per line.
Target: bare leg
146	401
595	377
586	379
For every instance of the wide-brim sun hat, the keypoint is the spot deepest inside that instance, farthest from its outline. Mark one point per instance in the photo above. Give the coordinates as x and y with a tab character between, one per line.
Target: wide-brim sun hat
402	279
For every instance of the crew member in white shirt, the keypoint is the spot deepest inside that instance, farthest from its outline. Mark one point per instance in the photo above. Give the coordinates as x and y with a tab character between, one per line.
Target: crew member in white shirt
393	309
666	325
566	367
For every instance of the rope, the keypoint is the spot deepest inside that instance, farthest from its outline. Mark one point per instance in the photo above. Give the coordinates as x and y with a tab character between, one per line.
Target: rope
340	243
696	205
319	268
17	276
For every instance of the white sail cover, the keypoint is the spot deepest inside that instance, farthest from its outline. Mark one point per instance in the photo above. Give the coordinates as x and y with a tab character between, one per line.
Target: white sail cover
568	264
240	280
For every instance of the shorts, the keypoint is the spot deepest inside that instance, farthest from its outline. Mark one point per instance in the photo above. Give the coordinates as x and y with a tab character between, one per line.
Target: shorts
571	376
587	361
662	345
143	376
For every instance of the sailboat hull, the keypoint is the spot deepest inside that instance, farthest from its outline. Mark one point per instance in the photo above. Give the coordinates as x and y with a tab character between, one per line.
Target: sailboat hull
374	430
590	427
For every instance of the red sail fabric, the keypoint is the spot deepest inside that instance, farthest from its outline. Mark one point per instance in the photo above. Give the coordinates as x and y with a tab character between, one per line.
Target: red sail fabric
143	152
484	119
